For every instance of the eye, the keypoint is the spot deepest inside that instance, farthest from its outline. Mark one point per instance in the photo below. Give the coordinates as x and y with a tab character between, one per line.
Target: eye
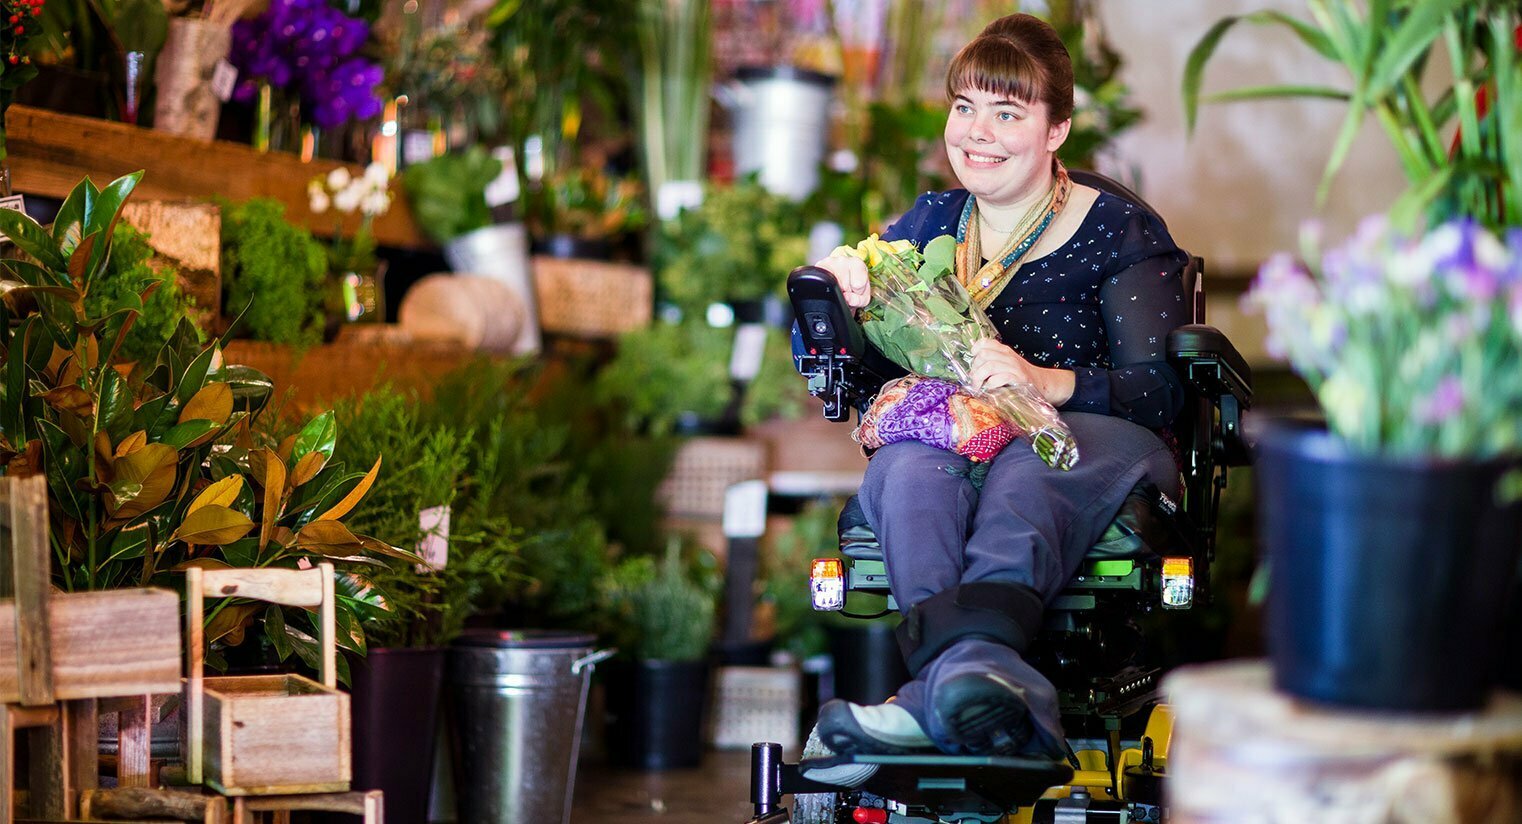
962	108
1008	117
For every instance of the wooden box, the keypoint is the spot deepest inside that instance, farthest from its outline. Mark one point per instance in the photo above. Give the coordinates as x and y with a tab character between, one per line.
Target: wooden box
276	735
115	642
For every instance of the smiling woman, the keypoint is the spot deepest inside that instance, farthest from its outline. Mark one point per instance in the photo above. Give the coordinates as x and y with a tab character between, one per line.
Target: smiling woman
1082	289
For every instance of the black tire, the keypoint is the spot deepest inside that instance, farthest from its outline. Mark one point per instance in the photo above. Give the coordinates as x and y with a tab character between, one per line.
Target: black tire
816	808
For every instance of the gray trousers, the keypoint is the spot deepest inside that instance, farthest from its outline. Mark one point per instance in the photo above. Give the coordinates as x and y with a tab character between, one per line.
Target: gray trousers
1029	524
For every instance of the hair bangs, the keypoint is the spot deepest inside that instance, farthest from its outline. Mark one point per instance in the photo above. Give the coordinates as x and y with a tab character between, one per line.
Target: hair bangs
997	66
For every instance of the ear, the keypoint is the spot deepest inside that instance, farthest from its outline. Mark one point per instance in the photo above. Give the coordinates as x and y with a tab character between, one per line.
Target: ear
1057	134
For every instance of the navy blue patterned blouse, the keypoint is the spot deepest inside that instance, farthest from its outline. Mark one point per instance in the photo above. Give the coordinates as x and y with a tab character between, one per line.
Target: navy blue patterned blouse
1102	305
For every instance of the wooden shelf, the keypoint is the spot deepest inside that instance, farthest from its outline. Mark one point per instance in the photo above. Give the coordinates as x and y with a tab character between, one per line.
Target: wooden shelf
50	152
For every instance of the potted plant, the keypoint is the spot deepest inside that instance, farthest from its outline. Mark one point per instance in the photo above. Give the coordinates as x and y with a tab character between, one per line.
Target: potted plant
1392	531
274	273
357	275
159	465
581	212
448	193
670	89
661	614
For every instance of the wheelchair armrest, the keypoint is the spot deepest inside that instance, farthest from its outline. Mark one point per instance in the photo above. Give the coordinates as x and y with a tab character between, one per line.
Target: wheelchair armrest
841	366
1211	367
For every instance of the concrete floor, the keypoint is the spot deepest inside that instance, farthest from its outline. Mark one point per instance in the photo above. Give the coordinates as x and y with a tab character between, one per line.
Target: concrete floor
715	792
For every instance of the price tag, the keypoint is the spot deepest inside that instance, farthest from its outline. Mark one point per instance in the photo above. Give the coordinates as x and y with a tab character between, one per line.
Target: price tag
15	203
745	509
223	79
434	547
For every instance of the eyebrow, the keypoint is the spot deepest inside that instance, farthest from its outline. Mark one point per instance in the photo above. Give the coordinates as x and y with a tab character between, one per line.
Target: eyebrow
1010	103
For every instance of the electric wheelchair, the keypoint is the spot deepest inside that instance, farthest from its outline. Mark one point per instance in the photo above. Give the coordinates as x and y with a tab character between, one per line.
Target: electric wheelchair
1155	555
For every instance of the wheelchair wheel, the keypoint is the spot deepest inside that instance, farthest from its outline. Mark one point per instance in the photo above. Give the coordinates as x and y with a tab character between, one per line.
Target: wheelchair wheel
817	808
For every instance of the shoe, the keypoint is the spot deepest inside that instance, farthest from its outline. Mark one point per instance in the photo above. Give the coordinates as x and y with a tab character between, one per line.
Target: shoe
984	714
871	729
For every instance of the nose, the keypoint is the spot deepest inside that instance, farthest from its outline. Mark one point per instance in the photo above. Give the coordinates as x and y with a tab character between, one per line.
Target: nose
982	129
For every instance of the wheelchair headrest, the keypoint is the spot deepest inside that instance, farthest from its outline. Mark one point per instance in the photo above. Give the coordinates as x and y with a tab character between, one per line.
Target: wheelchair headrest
1110	185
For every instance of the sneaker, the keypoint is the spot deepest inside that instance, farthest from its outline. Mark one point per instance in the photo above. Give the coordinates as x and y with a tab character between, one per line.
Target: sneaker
871	729
984	714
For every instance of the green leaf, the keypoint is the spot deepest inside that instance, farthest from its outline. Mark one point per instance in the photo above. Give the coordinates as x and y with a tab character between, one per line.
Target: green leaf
33	275
114	414
942	310
30	237
940	257
1266	92
187	433
1204	49
1410	42
194	376
319	435
66	465
69	223
274	629
107	210
1341	147
252	389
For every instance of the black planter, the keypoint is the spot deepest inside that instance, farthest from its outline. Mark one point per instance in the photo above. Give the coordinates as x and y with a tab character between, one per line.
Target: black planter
571	246
395	703
655	713
1388	578
869	668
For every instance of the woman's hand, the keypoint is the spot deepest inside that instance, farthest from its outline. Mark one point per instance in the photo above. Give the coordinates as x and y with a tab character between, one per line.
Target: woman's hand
995	365
851	273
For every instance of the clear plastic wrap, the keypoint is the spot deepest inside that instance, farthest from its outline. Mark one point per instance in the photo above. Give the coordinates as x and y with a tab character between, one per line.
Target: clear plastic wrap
922	318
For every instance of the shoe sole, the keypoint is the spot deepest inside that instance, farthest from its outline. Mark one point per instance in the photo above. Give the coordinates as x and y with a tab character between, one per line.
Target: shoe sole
843	735
985	717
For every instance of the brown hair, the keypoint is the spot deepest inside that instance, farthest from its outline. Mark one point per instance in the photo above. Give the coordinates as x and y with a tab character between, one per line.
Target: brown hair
1020	57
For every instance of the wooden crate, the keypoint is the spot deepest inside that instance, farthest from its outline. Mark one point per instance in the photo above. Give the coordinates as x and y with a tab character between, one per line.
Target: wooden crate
117	642
703	469
591	298
276	734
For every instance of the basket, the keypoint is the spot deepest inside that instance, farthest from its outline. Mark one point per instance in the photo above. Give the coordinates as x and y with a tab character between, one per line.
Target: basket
704	468
591	298
753	704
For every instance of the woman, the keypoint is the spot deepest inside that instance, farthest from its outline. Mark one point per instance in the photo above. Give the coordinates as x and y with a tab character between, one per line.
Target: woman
1083	288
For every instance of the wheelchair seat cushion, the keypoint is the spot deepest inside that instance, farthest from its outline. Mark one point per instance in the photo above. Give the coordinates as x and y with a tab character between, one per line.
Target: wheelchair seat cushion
1139	530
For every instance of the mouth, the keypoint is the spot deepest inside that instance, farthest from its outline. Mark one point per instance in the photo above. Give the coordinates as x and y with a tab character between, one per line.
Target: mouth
982	160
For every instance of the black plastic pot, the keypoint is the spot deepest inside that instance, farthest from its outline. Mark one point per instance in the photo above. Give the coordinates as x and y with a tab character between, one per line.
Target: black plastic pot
1388	578
655	713
571	246
394	702
869	668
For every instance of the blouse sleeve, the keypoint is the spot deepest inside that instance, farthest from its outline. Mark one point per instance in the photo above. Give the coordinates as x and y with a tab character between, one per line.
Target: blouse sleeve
1141	301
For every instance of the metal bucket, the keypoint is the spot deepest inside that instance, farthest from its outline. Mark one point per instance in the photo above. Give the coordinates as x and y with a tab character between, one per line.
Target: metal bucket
501	251
781	126
519	700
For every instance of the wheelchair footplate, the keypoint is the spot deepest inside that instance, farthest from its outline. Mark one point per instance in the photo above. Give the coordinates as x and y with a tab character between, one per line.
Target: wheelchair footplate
983	786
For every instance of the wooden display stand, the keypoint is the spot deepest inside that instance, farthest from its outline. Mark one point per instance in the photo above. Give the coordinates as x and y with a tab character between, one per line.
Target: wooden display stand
61	652
1242	751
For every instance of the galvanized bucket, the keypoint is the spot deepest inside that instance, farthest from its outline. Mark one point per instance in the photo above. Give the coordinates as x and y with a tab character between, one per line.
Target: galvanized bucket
519	700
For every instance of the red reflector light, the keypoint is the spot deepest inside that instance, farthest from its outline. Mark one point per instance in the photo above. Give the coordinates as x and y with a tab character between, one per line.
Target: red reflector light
870	815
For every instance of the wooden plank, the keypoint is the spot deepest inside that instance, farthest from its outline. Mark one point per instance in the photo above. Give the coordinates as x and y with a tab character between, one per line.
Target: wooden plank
292	587
46	755
133	735
353	803
117	642
28	507
81	746
50	152
7	765
259	743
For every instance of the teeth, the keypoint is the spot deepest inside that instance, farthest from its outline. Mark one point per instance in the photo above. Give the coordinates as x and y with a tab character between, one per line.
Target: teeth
984	158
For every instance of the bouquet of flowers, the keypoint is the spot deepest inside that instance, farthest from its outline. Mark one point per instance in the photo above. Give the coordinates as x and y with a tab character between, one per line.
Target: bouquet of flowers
312	48
922	319
1409	341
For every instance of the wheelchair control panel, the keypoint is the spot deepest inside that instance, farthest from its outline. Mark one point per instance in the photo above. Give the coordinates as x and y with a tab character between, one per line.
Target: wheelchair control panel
836	359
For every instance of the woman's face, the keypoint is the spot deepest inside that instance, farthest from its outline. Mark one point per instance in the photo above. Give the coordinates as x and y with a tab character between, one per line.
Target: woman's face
1001	150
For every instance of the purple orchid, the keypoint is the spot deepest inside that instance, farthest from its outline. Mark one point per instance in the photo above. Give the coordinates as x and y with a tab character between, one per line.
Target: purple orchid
311	48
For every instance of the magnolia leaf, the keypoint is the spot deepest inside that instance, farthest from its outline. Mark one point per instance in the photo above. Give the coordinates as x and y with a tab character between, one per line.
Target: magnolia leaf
214	402
230	622
284	448
103	456
328	538
220	493
115	410
355	495
144	478
318	436
71	399
379	547
271	475
29	236
203	563
189	433
137	440
194	377
213	524
282	536
942	310
307	468
274	629
79	261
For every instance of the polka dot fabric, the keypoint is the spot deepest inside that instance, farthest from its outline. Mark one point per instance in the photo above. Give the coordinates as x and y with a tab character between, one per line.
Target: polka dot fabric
1101	305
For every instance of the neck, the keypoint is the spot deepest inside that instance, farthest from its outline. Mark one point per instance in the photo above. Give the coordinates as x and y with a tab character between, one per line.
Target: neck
1005	215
